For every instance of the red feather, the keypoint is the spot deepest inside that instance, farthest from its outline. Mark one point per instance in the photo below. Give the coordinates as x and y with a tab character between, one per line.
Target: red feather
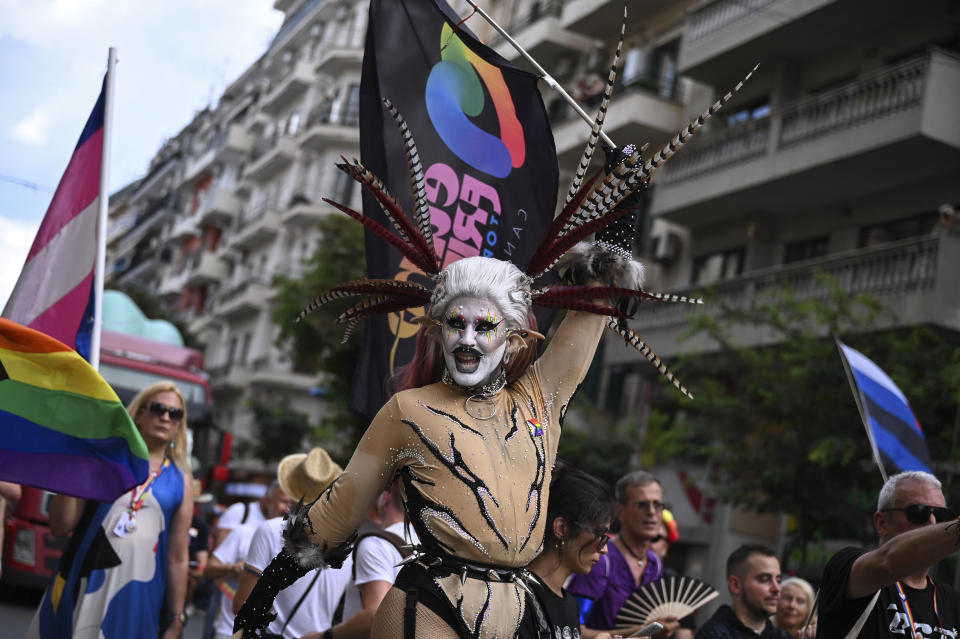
578	305
563	244
377	306
558	222
411	253
394	211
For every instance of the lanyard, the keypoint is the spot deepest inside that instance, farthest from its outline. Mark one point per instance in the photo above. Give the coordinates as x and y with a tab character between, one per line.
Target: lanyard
140	492
906	607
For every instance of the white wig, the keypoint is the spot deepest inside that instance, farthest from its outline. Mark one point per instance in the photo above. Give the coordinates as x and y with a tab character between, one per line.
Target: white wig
484	278
886	498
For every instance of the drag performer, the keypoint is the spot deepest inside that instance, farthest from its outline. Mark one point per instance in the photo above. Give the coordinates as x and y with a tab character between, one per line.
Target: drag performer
474	438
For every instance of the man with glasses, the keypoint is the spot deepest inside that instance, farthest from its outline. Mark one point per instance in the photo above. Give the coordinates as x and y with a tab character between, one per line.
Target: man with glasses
888	592
629	562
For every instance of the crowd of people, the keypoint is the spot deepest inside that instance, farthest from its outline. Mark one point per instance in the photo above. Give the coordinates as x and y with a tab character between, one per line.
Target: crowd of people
134	567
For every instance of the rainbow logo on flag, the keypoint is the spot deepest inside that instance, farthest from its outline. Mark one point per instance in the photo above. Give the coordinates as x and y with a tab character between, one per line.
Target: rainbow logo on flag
62	427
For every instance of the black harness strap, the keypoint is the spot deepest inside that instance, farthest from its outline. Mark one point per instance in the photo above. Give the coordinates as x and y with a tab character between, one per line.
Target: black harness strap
410	616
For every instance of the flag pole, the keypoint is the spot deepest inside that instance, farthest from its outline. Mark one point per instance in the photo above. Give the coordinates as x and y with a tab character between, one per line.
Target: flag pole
858	399
104	203
551	82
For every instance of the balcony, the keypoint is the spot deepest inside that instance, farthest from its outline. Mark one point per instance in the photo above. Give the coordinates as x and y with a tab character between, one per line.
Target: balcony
255	228
232	144
724	39
600	18
843	144
205	268
244	298
915	278
271	155
173	283
345	53
305	215
218	207
184	227
543	35
292	84
229	379
637	115
326	127
264	374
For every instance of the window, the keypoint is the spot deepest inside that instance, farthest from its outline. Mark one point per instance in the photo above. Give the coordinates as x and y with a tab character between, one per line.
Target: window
806	249
342	187
755	111
718	267
351	114
900	229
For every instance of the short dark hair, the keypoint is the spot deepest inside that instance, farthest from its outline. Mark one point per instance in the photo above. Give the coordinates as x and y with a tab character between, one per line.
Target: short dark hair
579	497
739	557
633	478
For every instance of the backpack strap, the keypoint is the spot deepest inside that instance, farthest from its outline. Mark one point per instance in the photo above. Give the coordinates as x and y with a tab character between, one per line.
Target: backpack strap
370	529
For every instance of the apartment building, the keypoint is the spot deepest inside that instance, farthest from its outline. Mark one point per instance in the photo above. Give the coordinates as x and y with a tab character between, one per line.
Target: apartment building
232	200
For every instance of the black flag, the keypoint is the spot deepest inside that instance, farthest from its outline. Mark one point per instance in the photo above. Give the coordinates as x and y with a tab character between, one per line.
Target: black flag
487	150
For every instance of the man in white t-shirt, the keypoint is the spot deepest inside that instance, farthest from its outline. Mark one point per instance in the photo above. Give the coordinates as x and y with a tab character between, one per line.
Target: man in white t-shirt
300	476
226	562
375	568
241	513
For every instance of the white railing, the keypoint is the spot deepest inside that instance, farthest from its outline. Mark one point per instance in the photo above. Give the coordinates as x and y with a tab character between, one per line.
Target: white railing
897	267
879	94
883	92
719	14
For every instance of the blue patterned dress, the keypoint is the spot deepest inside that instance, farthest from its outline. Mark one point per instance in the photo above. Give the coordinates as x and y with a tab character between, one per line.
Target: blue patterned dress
110	586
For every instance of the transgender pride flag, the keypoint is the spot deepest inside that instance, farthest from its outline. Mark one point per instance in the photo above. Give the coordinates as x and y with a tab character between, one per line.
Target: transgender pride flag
55	292
895	434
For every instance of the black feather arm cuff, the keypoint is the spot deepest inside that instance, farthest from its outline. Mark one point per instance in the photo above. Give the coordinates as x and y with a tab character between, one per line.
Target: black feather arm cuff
257	612
297	543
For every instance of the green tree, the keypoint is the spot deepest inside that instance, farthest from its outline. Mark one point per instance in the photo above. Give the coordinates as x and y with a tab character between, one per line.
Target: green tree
315	343
279	430
777	423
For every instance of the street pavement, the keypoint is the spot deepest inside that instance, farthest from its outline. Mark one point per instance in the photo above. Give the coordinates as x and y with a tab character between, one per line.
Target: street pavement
17	606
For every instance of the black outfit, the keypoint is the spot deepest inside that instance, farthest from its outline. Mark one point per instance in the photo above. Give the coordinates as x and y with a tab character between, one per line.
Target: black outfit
724	624
839	613
560	615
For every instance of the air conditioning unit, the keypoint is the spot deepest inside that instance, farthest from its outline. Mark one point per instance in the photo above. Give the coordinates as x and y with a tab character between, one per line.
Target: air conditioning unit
665	246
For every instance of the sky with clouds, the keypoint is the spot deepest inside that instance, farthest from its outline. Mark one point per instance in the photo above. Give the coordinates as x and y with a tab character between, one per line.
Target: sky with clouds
173	58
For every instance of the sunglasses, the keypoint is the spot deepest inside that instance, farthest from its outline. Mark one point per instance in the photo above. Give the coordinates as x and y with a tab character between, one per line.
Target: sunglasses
646	505
600	533
157	410
920	514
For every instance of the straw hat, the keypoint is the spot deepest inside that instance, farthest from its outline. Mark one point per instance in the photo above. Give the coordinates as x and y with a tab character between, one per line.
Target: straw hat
307	475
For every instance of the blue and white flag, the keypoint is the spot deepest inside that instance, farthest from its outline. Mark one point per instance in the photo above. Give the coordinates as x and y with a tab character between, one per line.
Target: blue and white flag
895	434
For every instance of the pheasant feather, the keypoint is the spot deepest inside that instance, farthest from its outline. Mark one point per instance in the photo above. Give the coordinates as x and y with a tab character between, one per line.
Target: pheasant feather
634	340
587	154
415	167
664	154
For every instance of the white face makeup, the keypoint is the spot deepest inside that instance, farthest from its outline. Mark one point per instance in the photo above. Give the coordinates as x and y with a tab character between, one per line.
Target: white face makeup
474	337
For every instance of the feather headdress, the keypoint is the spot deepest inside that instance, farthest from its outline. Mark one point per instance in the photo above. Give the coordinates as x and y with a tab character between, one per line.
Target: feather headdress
592	204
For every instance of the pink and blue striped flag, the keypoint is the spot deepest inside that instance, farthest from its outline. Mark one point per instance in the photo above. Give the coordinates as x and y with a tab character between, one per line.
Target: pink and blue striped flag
895	433
55	291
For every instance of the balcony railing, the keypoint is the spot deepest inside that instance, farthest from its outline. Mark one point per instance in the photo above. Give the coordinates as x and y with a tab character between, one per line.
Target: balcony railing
894	268
887	90
539	11
719	14
879	94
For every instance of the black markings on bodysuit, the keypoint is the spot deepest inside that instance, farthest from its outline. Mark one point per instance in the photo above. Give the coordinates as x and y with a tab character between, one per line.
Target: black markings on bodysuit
513	420
459	469
453	418
536	486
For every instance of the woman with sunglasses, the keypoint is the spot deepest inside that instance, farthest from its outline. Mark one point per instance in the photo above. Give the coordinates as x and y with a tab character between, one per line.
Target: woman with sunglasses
124	556
579	513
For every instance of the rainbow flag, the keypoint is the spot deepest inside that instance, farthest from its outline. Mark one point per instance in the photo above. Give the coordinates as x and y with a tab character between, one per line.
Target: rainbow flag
55	290
62	427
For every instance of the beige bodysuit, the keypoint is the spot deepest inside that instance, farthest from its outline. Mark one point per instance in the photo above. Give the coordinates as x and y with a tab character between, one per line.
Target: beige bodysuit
474	488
